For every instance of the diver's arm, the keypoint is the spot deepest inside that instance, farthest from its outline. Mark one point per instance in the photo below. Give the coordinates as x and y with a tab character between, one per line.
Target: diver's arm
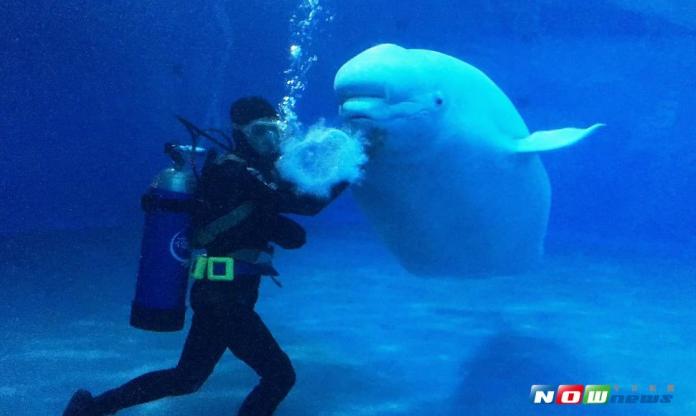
287	233
292	203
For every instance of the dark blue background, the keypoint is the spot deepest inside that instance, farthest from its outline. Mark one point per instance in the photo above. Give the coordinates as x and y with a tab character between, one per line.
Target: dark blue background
89	91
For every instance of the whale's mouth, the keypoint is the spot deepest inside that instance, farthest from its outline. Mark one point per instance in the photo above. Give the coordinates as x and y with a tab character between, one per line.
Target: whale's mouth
357	118
354	91
361	102
355	112
360	109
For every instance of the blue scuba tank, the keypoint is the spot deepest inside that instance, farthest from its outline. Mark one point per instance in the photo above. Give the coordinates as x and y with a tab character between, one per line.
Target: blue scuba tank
162	281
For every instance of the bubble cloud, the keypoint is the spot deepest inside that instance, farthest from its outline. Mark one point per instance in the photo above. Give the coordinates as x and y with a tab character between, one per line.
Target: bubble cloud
324	157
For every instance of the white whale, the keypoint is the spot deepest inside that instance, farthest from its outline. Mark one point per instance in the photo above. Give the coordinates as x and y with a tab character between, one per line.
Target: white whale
454	184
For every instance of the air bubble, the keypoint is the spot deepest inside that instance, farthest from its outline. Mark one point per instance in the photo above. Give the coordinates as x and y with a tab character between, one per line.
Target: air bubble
304	22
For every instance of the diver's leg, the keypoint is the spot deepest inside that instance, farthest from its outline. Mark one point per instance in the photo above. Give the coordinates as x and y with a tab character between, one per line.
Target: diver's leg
252	342
205	344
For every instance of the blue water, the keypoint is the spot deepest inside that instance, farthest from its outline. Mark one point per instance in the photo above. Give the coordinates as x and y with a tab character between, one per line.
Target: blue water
88	95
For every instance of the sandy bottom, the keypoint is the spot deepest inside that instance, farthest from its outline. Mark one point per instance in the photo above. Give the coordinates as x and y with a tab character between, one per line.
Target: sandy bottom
365	337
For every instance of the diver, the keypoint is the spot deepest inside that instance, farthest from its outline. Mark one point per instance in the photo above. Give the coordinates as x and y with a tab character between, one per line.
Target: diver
239	201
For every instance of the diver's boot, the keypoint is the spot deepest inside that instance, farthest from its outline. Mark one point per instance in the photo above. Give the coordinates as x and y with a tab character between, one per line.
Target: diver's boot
81	404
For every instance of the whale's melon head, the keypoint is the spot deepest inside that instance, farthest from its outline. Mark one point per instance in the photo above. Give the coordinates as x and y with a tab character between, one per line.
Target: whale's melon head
392	90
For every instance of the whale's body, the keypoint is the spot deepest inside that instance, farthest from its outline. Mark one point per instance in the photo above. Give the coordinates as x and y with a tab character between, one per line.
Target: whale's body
454	184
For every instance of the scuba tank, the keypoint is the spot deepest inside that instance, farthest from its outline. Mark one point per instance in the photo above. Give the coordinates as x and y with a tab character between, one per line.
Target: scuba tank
162	281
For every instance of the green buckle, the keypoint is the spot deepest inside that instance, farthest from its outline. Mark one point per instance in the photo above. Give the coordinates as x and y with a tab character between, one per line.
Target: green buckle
227	275
205	267
199	267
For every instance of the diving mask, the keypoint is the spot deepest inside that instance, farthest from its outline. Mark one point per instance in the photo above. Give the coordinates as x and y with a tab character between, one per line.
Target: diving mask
263	134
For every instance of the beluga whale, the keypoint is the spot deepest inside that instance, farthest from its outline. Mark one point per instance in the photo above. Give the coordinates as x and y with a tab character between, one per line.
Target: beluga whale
454	183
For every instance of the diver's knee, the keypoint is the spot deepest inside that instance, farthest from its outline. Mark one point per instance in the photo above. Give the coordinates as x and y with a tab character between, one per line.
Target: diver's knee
187	383
284	378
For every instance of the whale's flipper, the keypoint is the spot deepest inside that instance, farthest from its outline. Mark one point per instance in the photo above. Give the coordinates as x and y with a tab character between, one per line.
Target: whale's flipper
542	141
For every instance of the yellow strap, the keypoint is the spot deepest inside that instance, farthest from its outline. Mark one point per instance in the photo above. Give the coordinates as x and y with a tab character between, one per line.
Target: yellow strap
207	234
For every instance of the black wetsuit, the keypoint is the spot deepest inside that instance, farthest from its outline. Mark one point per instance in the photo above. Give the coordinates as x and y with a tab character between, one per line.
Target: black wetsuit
224	316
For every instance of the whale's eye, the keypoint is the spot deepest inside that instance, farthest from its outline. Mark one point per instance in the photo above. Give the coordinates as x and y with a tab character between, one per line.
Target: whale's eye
439	101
